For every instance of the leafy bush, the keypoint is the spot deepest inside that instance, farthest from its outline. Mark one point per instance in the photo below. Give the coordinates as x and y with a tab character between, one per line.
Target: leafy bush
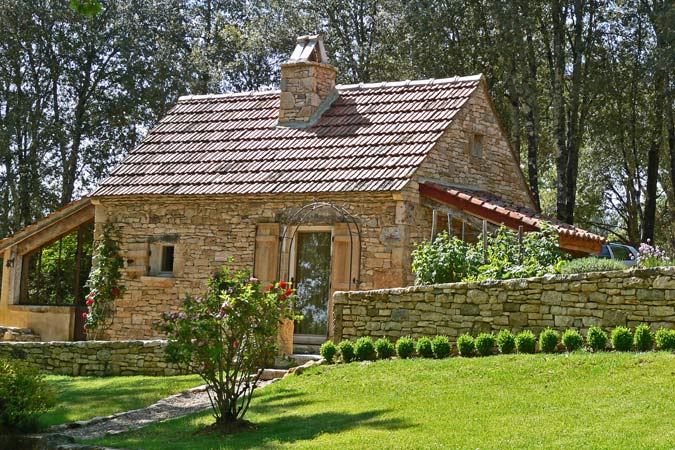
364	349
485	344
526	342
652	256
548	340
465	345
585	265
227	336
665	339
405	347
643	338
572	340
506	342
445	260
346	351
597	339
441	347
622	339
424	347
24	395
328	350
384	348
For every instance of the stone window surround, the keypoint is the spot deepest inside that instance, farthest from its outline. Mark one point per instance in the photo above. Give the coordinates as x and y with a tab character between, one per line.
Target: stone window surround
155	277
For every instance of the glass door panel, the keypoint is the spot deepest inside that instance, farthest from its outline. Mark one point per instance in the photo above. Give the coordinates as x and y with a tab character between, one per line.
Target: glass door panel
312	278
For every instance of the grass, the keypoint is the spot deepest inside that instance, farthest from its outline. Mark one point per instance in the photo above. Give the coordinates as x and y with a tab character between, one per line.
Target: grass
580	401
82	398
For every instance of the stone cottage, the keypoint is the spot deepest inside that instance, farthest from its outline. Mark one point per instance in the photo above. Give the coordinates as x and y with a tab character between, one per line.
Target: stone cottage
330	186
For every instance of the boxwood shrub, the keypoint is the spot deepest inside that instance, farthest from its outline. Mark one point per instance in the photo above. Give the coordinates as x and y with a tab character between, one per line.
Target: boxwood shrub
364	349
572	340
441	347
506	342
665	339
424	347
485	344
526	342
465	345
328	350
24	395
597	339
548	340
405	347
622	339
644	338
384	348
346	351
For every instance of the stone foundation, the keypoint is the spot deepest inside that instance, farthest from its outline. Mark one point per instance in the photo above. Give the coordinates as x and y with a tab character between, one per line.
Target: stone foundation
578	301
94	357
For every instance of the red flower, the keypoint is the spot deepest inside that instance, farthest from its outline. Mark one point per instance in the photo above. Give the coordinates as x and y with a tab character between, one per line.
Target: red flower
282	284
84	315
283	298
90	301
270	287
289	292
115	292
235	344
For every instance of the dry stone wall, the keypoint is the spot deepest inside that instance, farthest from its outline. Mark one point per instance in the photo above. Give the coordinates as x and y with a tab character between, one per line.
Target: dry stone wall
94	357
578	301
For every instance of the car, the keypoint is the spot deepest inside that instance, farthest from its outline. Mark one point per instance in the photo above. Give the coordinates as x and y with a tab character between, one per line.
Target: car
620	252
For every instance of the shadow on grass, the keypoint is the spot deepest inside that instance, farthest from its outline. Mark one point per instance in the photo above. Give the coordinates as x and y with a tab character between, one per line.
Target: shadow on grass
294	428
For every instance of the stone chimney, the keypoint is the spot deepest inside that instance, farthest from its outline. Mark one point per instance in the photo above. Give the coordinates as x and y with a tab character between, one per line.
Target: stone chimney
307	84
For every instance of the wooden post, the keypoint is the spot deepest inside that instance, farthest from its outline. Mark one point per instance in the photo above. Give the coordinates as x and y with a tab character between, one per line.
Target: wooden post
451	232
434	222
485	246
463	230
520	244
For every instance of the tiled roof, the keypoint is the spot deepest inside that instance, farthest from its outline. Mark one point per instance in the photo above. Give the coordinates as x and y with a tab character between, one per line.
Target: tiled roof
372	138
490	207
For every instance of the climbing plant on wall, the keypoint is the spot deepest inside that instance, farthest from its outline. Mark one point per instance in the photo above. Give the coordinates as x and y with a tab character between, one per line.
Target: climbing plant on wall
104	283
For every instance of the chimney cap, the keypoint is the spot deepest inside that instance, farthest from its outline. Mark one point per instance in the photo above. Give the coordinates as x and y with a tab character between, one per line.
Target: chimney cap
309	48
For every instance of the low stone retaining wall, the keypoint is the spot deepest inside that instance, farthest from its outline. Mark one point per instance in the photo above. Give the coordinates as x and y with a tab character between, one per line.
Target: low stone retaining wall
137	357
579	301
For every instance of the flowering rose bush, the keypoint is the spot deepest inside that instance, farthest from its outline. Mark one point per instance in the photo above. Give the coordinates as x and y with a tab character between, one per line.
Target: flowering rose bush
652	256
104	283
228	336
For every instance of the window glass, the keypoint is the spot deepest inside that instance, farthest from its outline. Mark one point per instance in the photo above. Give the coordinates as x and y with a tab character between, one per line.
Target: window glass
605	252
167	258
621	253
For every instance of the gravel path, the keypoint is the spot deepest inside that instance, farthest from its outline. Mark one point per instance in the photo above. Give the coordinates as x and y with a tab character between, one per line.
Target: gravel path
178	405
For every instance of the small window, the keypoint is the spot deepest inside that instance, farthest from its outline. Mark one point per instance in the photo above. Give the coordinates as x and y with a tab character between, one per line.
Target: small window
167	259
477	145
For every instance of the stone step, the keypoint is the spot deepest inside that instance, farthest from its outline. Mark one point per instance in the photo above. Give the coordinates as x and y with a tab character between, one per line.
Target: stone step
301	359
271	374
311	339
306	349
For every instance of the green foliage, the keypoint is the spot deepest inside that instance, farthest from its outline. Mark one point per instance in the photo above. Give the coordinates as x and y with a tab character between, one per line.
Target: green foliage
665	339
643	338
548	340
24	395
465	345
572	340
451	259
485	344
652	256
105	283
364	349
405	347
445	260
87	8
227	336
384	348
424	347
584	265
441	347
506	342
328	350
597	339
346	351
526	342
622	339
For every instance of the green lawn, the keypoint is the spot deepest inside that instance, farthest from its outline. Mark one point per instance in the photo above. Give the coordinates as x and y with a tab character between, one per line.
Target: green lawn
580	401
86	397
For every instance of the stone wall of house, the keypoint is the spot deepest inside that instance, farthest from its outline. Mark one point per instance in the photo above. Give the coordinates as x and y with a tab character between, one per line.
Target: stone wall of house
452	161
93	357
562	301
209	231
